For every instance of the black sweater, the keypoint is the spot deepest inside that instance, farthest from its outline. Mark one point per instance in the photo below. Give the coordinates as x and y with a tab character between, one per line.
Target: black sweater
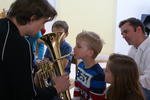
16	82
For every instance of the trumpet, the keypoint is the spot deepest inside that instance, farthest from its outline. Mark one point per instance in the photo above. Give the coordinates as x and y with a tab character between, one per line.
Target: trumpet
48	69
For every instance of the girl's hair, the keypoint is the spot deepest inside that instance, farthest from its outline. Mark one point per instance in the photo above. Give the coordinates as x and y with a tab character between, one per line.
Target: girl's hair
125	76
93	40
23	10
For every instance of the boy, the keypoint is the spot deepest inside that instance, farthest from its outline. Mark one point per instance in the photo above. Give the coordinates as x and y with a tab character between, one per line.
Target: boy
90	79
60	27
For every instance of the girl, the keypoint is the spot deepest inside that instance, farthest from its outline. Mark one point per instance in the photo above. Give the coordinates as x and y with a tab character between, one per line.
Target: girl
122	73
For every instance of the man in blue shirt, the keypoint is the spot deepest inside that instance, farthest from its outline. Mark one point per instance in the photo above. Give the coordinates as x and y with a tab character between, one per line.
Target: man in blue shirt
34	42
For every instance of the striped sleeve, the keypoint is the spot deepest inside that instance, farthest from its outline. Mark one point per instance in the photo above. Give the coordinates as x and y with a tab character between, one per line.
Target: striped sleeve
77	92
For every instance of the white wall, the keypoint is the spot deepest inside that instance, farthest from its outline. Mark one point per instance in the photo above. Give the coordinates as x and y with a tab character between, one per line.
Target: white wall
90	15
48	25
126	9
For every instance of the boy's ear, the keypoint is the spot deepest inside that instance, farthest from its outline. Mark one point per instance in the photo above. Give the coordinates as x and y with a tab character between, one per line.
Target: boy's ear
91	52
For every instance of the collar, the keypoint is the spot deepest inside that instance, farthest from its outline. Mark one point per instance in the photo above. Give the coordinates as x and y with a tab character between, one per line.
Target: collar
144	45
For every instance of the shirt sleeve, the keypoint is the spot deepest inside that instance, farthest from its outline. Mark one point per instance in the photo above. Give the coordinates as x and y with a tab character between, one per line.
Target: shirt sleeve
77	92
96	96
145	76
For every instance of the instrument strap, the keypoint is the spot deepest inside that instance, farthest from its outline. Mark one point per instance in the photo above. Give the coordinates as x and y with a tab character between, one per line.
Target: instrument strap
5	41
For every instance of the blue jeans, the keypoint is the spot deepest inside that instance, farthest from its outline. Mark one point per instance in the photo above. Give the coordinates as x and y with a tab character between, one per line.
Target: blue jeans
146	93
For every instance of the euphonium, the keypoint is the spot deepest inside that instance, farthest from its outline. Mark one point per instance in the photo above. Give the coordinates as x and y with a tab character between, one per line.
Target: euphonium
3	13
52	41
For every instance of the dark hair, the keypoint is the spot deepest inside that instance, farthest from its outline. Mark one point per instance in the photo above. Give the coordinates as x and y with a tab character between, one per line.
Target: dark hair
133	22
23	10
61	24
125	75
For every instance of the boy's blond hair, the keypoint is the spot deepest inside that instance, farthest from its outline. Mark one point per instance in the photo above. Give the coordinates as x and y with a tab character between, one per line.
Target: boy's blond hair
93	40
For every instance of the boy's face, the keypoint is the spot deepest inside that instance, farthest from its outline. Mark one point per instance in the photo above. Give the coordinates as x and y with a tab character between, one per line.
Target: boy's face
81	50
58	30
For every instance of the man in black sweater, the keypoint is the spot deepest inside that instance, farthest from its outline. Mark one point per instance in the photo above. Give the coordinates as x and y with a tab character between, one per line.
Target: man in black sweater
25	17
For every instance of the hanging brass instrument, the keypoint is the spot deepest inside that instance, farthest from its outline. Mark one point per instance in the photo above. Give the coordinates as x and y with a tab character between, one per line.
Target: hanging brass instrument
52	41
2	13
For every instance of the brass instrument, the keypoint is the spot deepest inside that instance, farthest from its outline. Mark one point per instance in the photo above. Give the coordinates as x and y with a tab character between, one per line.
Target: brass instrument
3	13
52	41
45	71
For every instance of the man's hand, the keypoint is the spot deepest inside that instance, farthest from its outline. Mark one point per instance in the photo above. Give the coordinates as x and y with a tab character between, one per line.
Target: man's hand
62	83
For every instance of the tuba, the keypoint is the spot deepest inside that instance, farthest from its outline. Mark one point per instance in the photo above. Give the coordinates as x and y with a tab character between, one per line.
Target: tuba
54	68
3	13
